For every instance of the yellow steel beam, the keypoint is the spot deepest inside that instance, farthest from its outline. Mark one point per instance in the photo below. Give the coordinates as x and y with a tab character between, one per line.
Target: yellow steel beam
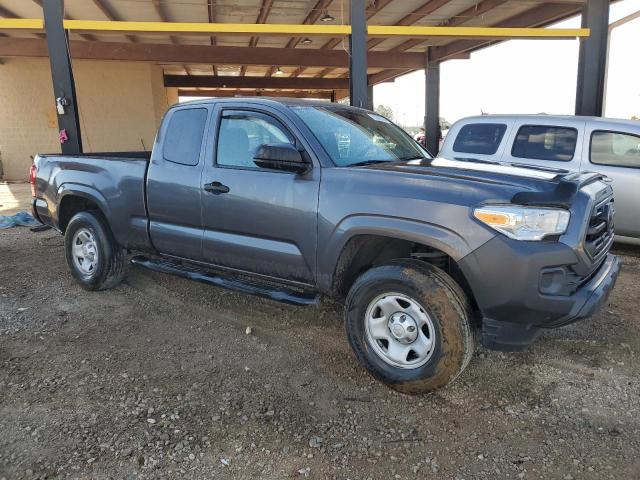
297	30
21	24
475	32
209	28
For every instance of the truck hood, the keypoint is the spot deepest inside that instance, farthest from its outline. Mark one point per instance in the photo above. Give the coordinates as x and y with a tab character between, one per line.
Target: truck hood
530	184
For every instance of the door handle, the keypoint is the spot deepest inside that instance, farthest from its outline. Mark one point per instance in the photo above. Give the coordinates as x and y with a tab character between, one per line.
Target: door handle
216	188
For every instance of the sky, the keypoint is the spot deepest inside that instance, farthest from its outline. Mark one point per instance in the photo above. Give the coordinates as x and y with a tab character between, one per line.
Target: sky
524	76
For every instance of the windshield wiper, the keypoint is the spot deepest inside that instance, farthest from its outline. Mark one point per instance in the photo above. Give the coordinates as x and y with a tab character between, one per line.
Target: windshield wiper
368	162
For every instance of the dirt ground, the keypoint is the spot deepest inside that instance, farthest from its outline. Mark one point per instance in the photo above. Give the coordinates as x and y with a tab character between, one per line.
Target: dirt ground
14	197
158	378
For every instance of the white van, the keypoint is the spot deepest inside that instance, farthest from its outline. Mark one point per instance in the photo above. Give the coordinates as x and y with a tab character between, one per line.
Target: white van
607	146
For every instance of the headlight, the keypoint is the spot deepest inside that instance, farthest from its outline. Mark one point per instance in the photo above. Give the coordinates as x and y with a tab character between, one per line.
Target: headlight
524	223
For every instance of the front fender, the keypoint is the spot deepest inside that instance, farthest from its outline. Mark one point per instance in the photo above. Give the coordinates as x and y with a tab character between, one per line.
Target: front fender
436	236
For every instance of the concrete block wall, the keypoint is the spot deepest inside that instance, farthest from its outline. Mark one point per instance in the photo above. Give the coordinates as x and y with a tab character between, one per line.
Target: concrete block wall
121	105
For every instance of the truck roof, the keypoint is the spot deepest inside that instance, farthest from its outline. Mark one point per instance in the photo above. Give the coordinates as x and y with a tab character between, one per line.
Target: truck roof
262	101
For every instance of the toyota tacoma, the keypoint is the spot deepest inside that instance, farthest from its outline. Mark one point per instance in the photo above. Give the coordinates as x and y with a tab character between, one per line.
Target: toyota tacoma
295	200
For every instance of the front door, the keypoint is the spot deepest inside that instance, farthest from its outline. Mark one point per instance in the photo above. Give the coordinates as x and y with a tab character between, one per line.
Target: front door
258	220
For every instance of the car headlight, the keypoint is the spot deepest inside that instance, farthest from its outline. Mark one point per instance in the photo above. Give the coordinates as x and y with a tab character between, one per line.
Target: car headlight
524	223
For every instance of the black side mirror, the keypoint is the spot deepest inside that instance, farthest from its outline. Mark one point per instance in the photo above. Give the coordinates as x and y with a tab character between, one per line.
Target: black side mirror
280	156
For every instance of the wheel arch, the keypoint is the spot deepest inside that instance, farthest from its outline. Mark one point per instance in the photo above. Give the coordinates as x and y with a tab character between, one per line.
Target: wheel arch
370	241
75	198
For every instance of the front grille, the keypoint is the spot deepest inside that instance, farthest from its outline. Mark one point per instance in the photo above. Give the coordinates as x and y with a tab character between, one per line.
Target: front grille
600	230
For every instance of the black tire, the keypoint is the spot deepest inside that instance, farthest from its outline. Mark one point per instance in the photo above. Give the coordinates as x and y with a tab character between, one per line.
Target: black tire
443	301
112	258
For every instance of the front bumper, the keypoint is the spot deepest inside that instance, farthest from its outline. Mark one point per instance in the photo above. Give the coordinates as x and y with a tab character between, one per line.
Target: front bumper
506	279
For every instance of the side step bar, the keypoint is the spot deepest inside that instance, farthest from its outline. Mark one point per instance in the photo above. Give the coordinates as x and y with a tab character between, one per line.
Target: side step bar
279	293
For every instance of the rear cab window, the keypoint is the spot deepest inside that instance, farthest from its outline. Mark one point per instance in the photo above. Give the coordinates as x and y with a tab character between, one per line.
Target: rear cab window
479	138
545	142
183	137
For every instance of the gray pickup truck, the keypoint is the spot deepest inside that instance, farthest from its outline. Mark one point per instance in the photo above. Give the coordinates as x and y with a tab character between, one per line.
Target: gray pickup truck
295	200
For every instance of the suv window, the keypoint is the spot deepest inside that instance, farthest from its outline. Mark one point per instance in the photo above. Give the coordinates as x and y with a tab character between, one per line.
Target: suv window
183	139
542	142
481	138
615	149
242	133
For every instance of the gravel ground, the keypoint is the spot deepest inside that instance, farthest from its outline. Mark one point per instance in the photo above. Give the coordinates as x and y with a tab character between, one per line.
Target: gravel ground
161	378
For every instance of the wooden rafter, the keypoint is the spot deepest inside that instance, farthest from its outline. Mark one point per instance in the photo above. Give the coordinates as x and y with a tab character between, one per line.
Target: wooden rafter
208	81
534	17
165	18
334	42
312	17
111	15
198	54
162	14
386	76
6	13
326	95
265	9
86	36
537	16
414	17
479	9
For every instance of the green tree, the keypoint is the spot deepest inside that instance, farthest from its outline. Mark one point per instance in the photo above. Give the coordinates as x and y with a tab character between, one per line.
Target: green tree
385	111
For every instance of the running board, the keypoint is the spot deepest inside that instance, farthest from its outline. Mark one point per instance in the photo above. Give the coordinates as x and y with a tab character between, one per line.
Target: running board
279	293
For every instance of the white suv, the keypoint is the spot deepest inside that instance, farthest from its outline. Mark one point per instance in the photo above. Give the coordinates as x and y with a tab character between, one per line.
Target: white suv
607	146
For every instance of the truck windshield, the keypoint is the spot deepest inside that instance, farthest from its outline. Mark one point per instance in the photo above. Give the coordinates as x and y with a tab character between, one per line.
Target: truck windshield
355	137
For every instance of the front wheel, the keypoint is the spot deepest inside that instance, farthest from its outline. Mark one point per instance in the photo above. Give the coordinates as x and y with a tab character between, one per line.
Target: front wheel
95	259
408	323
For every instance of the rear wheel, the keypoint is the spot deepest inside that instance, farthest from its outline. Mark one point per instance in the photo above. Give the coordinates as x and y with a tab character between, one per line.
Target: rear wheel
408	323
95	259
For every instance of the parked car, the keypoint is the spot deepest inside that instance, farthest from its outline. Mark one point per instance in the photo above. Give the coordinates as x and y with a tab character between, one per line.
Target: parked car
607	146
292	200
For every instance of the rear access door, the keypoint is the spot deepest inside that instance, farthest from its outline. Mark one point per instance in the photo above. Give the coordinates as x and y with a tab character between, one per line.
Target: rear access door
258	220
615	152
173	183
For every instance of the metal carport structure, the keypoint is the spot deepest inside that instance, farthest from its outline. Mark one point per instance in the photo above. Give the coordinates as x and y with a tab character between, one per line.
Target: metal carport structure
318	48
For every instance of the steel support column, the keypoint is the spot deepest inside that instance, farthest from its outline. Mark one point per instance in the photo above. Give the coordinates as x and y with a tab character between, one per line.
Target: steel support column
432	105
358	88
593	59
64	89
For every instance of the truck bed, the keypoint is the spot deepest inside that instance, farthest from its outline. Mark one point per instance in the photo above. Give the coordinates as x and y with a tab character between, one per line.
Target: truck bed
106	155
113	180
